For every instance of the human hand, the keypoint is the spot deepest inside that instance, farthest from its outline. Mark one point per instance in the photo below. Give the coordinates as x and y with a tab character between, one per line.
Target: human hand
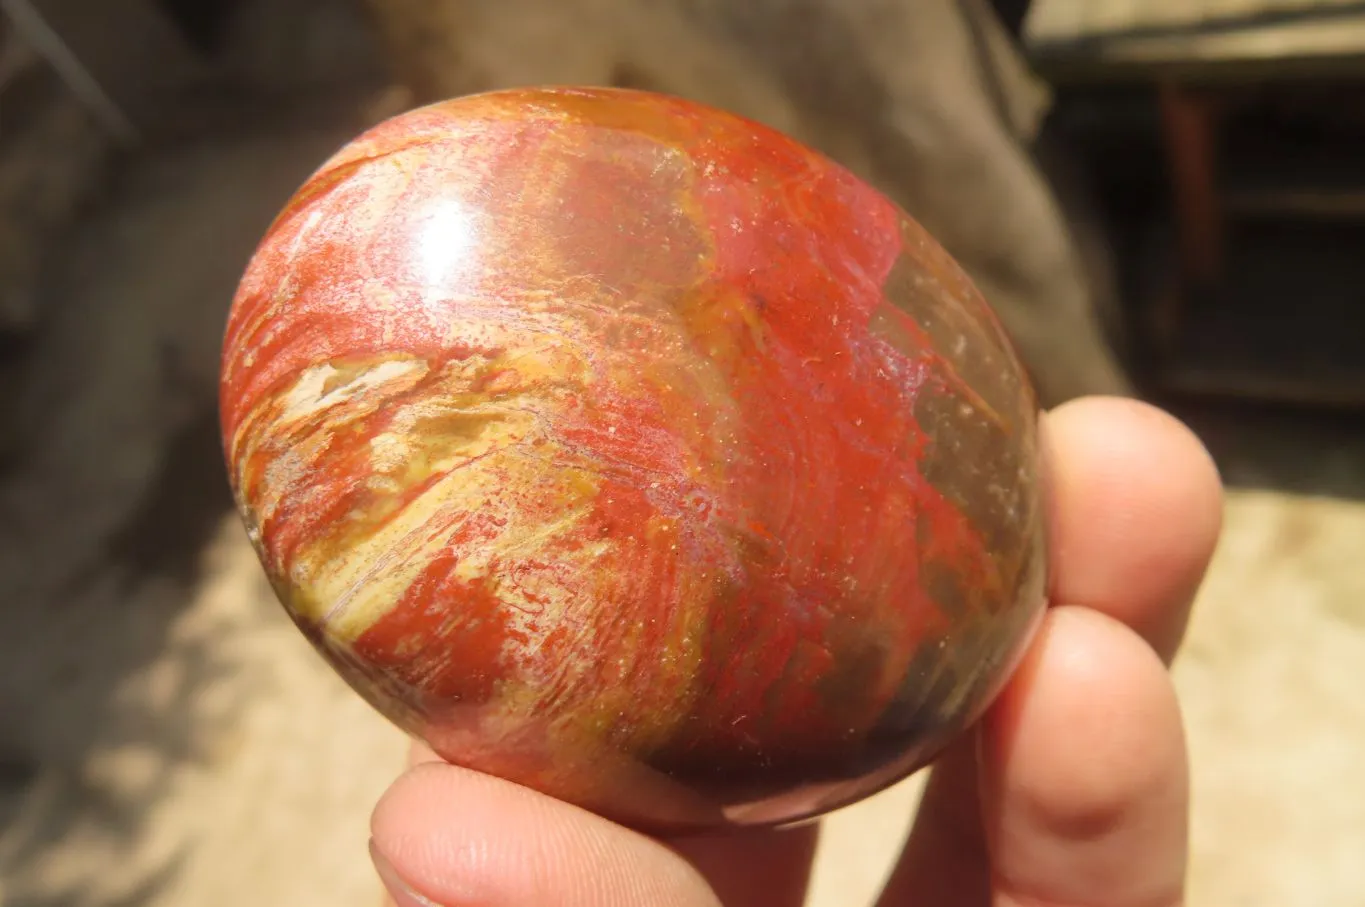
1071	791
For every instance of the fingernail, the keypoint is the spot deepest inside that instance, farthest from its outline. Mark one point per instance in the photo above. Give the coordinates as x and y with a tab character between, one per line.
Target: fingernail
399	890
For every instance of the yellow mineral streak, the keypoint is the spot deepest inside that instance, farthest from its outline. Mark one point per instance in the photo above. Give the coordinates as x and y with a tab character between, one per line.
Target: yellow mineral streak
725	324
657	664
478	439
353	585
324	387
471	442
307	415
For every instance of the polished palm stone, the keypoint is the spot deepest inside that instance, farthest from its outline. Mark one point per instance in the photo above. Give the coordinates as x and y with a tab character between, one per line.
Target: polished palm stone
631	451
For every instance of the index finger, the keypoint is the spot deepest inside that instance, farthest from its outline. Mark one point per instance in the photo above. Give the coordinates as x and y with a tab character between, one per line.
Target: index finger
1135	505
1136	509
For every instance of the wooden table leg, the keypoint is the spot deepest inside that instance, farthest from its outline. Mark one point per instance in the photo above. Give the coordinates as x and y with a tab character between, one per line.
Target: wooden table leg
1189	126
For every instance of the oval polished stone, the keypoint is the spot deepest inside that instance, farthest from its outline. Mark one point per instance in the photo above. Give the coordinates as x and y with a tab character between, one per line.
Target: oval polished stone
631	451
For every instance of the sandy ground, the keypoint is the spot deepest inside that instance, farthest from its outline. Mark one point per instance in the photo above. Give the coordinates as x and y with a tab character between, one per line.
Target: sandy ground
166	738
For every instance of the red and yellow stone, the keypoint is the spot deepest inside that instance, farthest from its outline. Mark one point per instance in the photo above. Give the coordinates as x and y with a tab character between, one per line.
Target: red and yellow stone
631	451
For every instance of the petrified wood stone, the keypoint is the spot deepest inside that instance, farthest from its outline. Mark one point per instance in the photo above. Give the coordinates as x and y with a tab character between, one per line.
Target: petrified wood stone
634	452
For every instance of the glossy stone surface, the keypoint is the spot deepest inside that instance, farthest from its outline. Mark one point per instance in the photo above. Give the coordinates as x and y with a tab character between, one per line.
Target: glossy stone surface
630	451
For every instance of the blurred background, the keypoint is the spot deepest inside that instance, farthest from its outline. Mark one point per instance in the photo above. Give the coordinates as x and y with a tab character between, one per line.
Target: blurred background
1161	197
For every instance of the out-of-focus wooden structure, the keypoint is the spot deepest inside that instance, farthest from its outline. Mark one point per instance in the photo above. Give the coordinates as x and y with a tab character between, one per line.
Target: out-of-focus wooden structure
1255	107
1194	39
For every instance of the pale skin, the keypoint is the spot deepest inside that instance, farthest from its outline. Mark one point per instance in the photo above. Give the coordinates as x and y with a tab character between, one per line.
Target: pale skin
1071	792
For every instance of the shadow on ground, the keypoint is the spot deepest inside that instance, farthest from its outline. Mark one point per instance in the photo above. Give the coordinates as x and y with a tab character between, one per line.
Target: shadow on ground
109	507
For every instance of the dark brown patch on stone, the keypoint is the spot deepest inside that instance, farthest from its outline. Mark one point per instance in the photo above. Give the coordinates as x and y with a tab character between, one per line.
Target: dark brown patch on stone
951	314
989	475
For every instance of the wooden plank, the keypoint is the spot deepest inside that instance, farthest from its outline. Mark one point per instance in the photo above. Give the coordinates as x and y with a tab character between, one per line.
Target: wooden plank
1250	383
1277	183
1079	20
1296	201
1320	43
